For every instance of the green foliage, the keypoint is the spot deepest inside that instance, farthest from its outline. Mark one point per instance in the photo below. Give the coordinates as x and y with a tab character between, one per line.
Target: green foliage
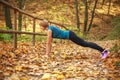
81	3
80	34
116	49
41	38
28	38
115	33
24	38
116	20
117	63
72	28
61	18
5	37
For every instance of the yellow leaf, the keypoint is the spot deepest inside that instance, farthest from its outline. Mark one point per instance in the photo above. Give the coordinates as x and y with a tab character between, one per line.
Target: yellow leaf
71	68
103	78
12	54
63	55
95	73
24	78
69	74
56	72
46	76
55	75
60	77
17	52
18	68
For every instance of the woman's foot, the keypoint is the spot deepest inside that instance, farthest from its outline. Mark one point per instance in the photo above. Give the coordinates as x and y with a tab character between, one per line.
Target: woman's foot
104	54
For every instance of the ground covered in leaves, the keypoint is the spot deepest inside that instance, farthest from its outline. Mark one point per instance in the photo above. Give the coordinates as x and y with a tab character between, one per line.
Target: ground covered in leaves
66	62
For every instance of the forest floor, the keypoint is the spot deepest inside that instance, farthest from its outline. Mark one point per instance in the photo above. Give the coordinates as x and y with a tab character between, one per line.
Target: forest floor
67	61
71	62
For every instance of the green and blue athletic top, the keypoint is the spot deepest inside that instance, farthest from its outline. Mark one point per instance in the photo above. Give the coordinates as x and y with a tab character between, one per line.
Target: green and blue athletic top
58	33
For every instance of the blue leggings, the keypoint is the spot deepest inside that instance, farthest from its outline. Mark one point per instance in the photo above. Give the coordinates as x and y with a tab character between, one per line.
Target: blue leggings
73	37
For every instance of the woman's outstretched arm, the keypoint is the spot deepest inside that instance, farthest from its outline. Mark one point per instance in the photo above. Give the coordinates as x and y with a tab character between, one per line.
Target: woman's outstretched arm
49	42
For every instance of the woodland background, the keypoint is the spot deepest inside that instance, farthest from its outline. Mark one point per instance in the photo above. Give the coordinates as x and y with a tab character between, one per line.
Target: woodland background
93	20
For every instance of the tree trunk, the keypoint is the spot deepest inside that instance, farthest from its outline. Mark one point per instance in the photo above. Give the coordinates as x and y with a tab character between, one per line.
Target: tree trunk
103	2
109	7
92	16
19	21
8	17
20	5
77	16
86	17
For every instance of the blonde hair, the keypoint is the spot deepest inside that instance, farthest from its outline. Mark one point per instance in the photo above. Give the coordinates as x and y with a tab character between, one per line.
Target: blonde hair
44	23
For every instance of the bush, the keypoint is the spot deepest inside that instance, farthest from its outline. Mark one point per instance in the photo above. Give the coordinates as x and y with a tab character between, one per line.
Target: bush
115	33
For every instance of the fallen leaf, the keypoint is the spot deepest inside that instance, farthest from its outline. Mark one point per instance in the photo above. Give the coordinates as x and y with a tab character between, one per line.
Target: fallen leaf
63	55
60	77
18	68
46	76
25	78
15	77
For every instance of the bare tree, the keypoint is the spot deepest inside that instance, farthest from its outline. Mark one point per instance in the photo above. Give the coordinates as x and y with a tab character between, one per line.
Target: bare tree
86	16
90	25
103	1
8	17
21	4
77	15
109	6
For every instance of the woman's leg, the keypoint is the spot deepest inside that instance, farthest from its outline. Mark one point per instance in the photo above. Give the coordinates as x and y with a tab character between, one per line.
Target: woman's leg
73	37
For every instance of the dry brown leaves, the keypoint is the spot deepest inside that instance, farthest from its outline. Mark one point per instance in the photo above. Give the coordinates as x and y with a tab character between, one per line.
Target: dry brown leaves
65	62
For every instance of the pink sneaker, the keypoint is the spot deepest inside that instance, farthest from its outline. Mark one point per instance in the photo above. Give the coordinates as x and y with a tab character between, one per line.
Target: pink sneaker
104	54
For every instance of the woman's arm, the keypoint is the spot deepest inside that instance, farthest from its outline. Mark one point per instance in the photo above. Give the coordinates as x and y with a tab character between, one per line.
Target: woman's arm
49	42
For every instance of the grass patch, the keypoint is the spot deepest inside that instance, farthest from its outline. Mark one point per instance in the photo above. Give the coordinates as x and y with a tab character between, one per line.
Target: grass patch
6	37
28	38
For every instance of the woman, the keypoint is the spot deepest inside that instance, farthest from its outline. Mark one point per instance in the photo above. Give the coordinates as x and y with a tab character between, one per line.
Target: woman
55	32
